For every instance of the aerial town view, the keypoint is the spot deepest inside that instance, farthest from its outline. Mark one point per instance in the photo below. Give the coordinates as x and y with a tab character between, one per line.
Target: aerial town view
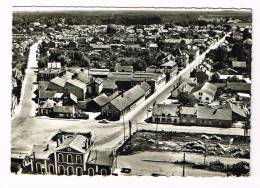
131	93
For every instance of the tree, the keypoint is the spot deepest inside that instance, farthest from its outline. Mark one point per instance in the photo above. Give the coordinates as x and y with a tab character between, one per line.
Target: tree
201	76
215	77
187	99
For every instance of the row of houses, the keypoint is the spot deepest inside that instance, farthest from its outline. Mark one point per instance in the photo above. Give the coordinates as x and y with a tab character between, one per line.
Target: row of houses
198	116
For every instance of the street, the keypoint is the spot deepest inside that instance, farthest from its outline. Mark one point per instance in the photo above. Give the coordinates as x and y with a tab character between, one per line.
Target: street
28	130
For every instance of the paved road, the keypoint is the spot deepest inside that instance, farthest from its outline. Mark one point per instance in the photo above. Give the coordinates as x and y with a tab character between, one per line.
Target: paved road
28	130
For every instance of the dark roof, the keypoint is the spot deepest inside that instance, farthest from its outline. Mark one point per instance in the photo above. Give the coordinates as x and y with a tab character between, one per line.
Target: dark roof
101	157
63	109
47	94
128	98
165	109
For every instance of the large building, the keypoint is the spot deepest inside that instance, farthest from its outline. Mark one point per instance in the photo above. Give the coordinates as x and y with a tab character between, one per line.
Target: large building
70	153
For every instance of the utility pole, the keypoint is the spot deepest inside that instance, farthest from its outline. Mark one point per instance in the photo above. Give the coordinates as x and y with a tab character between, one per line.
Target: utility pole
183	166
124	125
130	132
205	154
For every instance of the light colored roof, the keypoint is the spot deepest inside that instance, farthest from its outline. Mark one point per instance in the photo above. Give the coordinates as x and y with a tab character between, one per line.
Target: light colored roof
58	95
54	65
41	151
63	109
188	110
76	142
109	84
102	99
209	88
73	98
169	64
239	64
47	94
146	87
216	114
237	109
129	97
76	83
58	81
166	109
48	104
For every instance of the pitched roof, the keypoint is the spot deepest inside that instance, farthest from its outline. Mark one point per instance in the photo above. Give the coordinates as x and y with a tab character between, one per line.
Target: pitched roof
73	97
169	64
188	110
238	86
76	142
76	83
237	109
239	64
209	88
98	80
128	98
102	99
216	114
101	157
165	109
63	109
41	151
58	81
47	94
48	104
146	87
109	84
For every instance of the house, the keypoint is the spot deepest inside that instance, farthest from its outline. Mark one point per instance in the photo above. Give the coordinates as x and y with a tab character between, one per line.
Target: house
123	103
100	162
147	88
109	86
238	87
183	87
63	111
46	107
56	84
239	66
165	113
71	153
188	115
48	74
207	93
96	104
123	68
76	87
214	117
101	73
238	112
95	86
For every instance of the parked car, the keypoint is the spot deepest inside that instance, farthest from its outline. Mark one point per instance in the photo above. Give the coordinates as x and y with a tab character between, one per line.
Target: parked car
126	169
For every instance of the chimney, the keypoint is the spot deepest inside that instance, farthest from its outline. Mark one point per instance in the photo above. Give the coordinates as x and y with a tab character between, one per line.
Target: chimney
86	144
34	155
215	111
58	142
122	93
62	138
47	147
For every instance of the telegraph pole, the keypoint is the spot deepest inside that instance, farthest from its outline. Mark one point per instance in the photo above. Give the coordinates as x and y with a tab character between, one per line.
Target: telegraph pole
183	166
205	154
130	132
124	125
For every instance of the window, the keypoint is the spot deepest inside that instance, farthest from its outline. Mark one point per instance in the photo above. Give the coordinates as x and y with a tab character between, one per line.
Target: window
69	158
91	172
200	93
38	168
207	98
61	170
78	159
51	169
70	170
199	98
60	157
103	172
79	171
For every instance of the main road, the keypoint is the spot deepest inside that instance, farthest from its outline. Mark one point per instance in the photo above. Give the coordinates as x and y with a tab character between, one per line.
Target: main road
28	130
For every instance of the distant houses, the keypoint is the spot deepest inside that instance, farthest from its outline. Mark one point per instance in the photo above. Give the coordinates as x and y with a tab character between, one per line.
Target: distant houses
192	116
